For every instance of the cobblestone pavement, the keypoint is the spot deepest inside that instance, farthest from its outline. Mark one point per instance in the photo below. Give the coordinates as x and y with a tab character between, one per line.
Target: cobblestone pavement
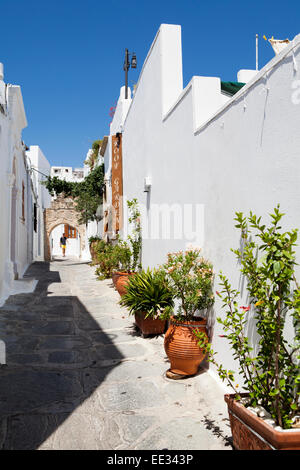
80	376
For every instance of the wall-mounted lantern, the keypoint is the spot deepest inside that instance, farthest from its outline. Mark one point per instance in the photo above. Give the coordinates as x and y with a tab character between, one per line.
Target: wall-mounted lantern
147	184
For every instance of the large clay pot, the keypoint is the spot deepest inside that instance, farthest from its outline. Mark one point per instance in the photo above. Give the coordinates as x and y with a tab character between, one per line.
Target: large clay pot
93	252
121	280
181	346
149	326
114	278
249	432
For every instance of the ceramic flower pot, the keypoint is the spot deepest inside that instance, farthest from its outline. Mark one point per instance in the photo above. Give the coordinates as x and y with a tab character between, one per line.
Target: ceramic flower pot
250	432
149	326
121	280
181	346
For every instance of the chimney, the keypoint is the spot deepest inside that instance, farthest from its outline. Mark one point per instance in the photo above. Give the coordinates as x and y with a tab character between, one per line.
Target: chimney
278	44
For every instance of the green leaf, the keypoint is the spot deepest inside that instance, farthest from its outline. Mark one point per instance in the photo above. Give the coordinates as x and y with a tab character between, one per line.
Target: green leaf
277	267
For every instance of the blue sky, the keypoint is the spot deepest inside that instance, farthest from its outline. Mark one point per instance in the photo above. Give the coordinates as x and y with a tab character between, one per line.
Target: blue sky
68	56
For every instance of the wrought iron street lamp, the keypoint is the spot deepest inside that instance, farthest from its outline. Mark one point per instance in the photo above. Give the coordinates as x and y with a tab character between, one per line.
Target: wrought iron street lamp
127	66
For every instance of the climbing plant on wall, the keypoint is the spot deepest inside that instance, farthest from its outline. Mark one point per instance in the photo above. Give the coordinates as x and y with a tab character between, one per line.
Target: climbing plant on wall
87	194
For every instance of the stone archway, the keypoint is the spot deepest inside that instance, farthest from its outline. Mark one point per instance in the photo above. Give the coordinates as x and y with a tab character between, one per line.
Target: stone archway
62	211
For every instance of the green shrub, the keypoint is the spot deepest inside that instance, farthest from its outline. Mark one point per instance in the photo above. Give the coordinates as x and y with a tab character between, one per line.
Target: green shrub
94	238
105	259
149	292
271	372
191	279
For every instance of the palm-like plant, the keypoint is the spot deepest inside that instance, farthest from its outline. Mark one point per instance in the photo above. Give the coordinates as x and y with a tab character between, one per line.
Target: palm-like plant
149	292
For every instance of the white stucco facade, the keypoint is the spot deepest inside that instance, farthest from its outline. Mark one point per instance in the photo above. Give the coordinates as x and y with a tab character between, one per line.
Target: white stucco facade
68	173
19	193
40	168
204	151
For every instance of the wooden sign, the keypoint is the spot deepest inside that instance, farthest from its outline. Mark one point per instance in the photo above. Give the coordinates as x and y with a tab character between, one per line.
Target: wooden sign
117	181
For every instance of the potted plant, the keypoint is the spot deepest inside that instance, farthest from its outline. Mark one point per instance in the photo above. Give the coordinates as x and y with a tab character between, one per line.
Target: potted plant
266	414
147	295
122	270
130	250
93	242
191	280
106	260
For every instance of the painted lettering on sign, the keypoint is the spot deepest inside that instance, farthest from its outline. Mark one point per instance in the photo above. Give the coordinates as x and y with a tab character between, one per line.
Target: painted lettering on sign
117	181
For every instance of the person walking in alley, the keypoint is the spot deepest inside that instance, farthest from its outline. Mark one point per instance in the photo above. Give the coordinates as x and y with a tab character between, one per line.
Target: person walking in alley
63	244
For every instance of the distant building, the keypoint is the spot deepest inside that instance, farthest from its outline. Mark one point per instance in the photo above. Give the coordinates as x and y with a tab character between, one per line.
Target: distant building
67	173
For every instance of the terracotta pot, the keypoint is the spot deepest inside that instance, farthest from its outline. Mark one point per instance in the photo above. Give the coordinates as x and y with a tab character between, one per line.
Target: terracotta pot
93	252
249	432
121	280
181	346
114	278
149	326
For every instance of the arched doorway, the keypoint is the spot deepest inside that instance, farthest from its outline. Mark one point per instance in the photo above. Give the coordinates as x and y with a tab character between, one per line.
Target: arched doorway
61	214
73	241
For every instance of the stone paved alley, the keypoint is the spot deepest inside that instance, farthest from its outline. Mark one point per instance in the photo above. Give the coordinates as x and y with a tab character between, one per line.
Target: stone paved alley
79	375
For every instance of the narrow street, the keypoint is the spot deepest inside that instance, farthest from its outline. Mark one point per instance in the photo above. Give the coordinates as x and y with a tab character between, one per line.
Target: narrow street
79	375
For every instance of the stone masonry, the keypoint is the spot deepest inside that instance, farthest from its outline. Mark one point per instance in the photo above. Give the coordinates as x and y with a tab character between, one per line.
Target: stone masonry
80	376
62	211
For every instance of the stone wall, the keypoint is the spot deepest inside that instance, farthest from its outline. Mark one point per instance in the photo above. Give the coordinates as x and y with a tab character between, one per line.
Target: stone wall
62	211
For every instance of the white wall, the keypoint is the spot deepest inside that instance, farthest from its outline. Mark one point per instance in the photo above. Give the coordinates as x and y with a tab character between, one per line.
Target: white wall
122	108
68	173
72	247
40	168
5	181
239	156
16	242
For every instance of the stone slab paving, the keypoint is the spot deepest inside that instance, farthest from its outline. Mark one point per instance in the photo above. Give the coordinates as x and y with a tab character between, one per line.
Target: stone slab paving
80	376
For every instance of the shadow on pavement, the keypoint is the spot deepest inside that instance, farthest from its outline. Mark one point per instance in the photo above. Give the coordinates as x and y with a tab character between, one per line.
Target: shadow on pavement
52	361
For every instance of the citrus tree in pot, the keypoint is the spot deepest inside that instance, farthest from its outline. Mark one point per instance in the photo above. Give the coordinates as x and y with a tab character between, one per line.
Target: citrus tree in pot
191	280
148	295
266	413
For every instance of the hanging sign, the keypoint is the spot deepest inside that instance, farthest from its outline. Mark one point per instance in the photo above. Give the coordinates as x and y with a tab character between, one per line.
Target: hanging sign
117	181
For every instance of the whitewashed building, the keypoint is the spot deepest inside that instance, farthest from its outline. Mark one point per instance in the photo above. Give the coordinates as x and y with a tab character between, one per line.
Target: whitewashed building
19	196
194	156
68	173
116	128
40	168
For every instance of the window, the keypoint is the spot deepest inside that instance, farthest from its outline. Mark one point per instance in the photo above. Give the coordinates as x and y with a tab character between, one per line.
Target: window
35	217
70	232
